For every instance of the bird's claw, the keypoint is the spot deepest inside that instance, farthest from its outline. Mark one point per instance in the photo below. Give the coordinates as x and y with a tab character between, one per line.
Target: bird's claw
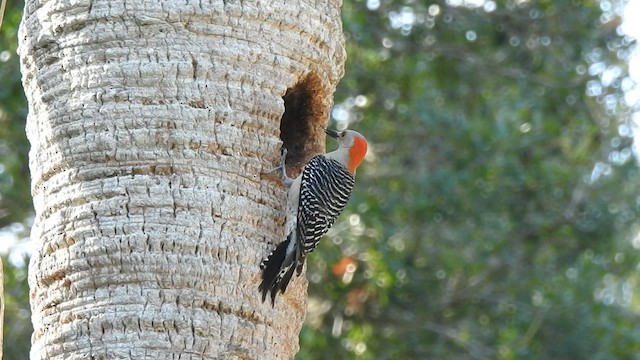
281	167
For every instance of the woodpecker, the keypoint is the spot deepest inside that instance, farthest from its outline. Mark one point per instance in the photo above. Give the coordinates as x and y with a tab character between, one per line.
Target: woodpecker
315	199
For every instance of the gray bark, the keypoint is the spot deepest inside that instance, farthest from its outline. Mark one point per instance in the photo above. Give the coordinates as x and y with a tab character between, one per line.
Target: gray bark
150	124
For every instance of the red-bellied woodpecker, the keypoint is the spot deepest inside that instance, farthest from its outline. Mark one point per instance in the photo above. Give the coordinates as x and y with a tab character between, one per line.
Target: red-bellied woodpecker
315	199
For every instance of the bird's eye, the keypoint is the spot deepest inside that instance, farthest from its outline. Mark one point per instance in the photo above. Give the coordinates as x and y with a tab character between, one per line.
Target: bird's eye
342	134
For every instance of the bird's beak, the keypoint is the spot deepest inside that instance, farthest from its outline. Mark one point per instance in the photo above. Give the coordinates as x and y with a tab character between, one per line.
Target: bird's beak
332	133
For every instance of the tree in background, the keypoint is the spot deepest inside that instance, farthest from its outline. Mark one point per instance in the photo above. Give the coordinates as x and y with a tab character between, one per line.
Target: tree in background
15	198
496	215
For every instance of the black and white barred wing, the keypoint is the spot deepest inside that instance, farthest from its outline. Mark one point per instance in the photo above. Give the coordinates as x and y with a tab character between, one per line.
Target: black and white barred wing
324	191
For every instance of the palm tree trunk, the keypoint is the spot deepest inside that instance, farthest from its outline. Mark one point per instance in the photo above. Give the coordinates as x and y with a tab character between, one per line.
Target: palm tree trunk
150	124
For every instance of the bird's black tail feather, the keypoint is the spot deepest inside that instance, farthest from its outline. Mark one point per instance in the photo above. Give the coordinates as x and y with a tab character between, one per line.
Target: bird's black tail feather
277	270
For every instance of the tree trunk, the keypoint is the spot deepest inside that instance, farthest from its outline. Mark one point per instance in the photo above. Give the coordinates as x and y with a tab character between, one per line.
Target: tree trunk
151	123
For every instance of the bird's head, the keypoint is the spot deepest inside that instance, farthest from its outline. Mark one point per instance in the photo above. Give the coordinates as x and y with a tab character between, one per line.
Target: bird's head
353	143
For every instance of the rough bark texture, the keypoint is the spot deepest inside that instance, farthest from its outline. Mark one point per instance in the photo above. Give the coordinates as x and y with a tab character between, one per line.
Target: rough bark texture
150	124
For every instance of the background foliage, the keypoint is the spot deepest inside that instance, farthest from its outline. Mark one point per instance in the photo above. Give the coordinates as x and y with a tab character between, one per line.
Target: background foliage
15	196
495	217
496	214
